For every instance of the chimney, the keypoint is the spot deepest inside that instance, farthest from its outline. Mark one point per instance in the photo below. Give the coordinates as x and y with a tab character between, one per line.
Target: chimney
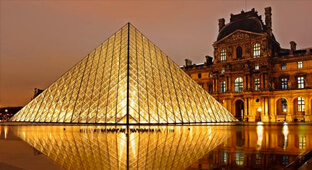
268	19
308	51
221	23
188	62
292	46
209	60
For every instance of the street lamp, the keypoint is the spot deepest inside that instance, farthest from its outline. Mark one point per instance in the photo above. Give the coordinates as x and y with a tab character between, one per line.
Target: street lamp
6	114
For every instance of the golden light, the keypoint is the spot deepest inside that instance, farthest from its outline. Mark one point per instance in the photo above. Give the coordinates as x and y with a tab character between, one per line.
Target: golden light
260	135
125	80
165	149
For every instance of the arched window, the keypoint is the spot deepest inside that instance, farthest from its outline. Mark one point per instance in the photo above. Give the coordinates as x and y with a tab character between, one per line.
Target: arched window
223	55
256	50
238	84
239	52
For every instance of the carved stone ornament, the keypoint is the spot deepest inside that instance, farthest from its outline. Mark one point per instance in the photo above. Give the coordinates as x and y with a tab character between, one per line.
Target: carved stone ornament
230	51
237	36
248	49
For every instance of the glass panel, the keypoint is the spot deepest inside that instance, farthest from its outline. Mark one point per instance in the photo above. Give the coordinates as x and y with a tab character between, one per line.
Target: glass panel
125	69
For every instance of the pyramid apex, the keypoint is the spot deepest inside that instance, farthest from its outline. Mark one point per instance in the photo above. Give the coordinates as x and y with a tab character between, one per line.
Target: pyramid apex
123	81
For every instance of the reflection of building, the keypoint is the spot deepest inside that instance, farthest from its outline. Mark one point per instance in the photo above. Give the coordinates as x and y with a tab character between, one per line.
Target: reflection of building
252	75
261	147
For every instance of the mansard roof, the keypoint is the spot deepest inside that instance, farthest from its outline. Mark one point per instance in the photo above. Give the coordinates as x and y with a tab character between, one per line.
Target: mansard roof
248	21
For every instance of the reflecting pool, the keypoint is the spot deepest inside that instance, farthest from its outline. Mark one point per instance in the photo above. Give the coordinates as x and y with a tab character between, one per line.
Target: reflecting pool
161	147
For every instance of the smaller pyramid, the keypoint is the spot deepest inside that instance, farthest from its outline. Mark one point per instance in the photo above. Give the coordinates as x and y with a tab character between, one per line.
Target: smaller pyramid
125	80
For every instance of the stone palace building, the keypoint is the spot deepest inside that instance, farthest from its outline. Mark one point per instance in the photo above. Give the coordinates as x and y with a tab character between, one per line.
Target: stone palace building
252	76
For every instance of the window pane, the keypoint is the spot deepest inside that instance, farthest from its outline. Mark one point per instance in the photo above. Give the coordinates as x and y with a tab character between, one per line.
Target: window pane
257	84
284	66
300	82
284	83
256	49
300	64
239	84
223	88
223	55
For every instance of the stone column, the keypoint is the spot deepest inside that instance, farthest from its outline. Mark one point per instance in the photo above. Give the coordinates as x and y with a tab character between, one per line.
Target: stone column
307	116
245	84
272	113
290	110
249	82
245	108
265	117
261	82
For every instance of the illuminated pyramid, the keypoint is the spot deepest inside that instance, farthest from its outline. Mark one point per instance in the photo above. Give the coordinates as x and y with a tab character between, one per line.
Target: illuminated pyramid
126	80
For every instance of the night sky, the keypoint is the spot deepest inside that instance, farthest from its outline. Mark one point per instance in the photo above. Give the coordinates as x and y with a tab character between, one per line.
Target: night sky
41	40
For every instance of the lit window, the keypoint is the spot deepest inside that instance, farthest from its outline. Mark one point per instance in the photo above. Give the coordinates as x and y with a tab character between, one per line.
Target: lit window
302	142
257	84
300	104
239	158
238	84
199	75
284	66
223	88
210	75
284	83
300	64
224	157
222	70
300	82
223	55
256	49
257	67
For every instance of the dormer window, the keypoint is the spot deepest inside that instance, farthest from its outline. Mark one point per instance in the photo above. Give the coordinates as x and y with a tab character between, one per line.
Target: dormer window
211	75
300	64
283	66
256	50
223	55
257	67
239	52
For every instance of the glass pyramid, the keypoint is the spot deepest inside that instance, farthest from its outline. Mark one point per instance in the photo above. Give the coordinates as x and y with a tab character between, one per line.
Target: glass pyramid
125	80
94	147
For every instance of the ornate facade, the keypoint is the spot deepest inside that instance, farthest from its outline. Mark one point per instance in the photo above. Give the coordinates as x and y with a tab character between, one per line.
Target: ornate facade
252	76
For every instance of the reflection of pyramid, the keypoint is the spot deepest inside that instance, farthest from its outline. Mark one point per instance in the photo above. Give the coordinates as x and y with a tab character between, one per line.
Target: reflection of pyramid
95	149
126	80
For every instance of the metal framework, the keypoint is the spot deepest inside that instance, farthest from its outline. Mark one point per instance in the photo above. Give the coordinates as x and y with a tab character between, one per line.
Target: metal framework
125	80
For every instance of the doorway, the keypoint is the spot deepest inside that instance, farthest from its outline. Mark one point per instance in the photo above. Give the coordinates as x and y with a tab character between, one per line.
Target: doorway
239	110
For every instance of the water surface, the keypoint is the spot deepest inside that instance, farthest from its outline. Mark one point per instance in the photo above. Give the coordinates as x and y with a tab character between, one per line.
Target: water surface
155	147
